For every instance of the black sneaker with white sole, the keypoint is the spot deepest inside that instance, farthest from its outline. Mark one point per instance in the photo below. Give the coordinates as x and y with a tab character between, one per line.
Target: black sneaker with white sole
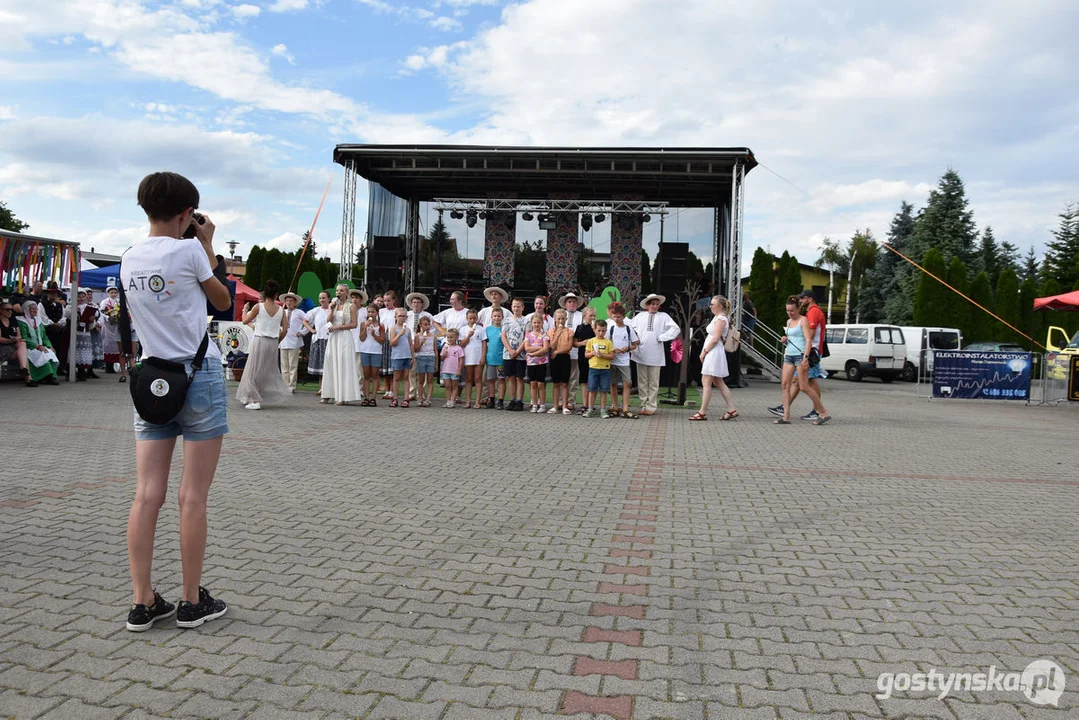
777	410
141	618
811	415
191	615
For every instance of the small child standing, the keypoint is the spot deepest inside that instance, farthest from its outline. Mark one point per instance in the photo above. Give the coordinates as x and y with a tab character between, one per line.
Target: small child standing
453	356
625	341
372	336
513	359
599	351
424	346
400	356
493	350
561	344
537	345
584	332
472	342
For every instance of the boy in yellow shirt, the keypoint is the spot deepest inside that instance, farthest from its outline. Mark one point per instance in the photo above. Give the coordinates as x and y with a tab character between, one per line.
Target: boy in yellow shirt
599	351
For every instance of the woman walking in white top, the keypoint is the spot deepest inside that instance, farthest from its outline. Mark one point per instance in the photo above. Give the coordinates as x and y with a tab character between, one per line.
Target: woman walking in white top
262	381
714	361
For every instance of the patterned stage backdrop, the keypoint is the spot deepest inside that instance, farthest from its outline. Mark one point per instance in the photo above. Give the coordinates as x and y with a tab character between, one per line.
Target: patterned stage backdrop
626	233
562	255
498	248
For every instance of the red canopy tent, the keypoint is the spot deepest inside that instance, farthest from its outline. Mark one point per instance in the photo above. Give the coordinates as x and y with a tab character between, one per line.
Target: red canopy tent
243	294
1067	301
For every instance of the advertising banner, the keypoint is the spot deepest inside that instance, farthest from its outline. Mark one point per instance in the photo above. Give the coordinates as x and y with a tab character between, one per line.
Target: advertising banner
1073	377
988	375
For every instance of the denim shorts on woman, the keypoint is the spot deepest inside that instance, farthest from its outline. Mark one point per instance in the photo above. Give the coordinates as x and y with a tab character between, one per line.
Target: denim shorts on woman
203	416
425	364
446	377
402	363
371	360
795	360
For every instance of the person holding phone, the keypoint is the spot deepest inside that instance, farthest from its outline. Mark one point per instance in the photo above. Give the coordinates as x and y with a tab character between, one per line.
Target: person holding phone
167	280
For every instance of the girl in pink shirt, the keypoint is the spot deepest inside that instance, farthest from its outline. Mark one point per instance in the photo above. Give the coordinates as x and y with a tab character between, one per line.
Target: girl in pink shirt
452	358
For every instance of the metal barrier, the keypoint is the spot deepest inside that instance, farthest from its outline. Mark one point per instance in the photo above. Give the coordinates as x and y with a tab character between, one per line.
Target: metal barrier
1053	385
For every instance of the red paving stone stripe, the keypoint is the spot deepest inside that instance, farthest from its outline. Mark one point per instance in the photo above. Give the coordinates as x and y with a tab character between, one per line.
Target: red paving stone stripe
642	506
18	504
625	669
623	552
632	516
599	635
644	498
626	569
633	612
639	528
619	706
606	587
51	494
876	476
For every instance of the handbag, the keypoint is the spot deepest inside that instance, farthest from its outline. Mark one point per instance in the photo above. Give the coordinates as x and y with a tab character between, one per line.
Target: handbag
733	340
158	387
814	357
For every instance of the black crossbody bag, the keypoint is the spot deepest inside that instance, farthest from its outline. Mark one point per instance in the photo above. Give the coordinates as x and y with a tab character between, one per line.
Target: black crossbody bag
158	387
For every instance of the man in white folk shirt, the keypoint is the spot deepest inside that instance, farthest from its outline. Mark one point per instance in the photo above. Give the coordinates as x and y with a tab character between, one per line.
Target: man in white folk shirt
418	302
653	328
289	347
570	302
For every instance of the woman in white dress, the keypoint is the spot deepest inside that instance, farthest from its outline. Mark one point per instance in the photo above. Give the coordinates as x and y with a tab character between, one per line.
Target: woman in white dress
714	361
339	381
262	381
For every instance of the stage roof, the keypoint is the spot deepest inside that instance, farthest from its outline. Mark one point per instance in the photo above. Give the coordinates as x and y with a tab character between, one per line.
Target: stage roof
681	177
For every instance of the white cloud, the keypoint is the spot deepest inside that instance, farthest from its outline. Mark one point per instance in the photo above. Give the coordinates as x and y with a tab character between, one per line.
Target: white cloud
287	6
281	50
828	197
446	24
7	112
245	11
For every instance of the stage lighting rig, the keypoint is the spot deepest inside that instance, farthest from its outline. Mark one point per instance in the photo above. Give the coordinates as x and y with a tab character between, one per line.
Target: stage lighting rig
527	217
456	214
470	218
547	222
600	218
586	222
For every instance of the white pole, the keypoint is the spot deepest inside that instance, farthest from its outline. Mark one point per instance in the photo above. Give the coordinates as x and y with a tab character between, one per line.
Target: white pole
846	307
73	309
831	281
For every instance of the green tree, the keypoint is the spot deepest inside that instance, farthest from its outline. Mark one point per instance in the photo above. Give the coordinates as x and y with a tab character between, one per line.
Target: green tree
862	256
8	221
833	259
1062	252
694	268
1009	257
1030	266
253	271
789	281
957	311
890	286
762	287
946	223
981	323
1027	292
529	269
931	298
1007	305
988	257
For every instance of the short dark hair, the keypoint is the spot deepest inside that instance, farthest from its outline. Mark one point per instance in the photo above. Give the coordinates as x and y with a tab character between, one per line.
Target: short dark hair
164	195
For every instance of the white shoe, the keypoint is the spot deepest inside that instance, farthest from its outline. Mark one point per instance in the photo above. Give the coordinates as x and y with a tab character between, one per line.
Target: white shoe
553	411
541	409
252	406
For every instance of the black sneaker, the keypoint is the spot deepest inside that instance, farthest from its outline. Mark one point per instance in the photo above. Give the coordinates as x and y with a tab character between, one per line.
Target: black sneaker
189	615
501	405
141	618
811	415
777	410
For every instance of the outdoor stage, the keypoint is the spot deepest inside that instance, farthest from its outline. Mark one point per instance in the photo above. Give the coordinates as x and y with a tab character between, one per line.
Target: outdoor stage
514	184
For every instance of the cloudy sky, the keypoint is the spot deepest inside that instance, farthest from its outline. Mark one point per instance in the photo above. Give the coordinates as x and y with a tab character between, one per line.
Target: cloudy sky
851	107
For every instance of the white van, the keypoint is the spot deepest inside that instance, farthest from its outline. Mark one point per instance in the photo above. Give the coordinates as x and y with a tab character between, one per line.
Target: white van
860	350
921	342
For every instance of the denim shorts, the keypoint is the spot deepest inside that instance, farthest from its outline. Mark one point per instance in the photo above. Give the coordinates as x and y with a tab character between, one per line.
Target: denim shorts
451	376
425	364
794	360
402	363
371	360
599	380
204	414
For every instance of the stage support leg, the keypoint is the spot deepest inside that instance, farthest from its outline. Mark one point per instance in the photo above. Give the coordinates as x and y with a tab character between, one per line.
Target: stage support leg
412	246
498	245
626	234
562	256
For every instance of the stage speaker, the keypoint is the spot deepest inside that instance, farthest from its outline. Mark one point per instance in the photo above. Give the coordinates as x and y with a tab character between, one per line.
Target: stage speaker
385	256
671	269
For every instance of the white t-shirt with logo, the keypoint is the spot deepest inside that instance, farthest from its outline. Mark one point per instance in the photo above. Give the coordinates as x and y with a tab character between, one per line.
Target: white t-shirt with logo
162	279
621	337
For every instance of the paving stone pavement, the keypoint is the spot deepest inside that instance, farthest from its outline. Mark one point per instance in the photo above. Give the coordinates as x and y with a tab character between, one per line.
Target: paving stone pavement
433	563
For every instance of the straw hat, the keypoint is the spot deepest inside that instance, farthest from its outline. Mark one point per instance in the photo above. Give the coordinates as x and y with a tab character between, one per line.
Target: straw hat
423	298
293	295
495	290
361	293
568	296
653	296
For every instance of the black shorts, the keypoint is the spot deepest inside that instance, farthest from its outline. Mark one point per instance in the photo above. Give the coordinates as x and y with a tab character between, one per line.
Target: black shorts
514	368
537	373
560	368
